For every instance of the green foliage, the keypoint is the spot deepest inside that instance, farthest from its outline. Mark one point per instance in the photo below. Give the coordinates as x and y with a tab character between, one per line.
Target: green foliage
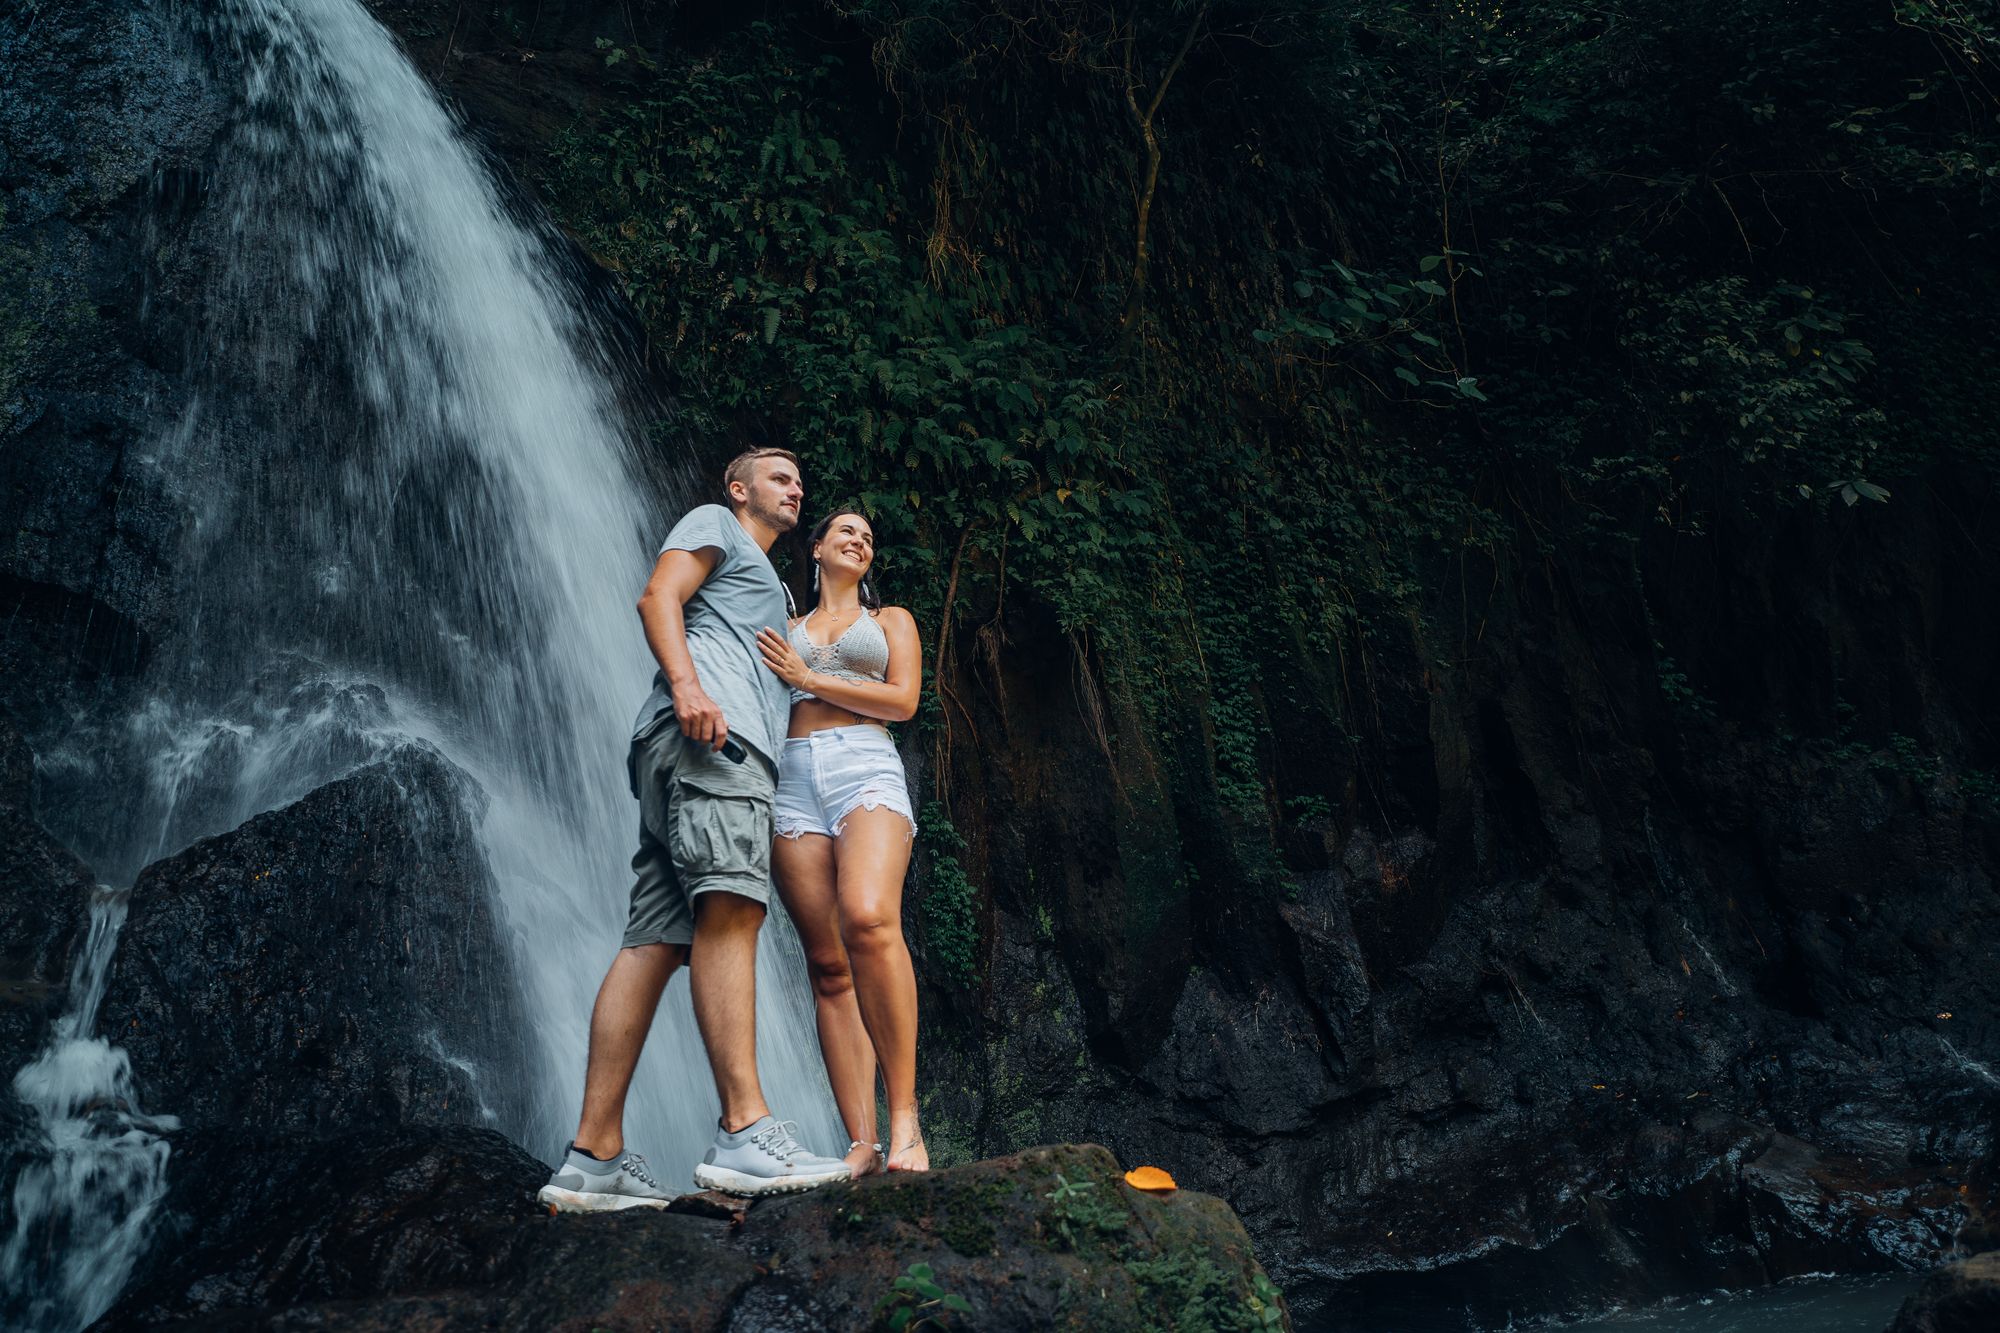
1266	1302
1905	758
779	274
1425	281
950	906
916	1301
1179	1290
1982	790
1191	1293
1079	1216
1675	687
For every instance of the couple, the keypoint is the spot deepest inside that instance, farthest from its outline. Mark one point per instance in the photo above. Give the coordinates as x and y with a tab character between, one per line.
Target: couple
762	750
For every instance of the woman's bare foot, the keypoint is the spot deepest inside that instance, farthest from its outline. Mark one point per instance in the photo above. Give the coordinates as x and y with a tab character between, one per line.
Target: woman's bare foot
863	1159
906	1145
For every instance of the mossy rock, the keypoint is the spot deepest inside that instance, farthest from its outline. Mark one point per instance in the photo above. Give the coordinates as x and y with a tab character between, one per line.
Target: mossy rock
1045	1238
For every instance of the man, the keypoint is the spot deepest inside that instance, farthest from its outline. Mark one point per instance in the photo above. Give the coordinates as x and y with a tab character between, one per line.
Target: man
703	764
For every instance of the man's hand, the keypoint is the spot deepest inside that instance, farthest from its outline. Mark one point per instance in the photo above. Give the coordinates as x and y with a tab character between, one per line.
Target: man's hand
700	717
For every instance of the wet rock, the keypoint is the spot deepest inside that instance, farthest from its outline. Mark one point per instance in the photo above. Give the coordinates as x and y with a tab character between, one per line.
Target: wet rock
1958	1298
1812	1212
1050	1238
330	966
255	1224
103	128
43	895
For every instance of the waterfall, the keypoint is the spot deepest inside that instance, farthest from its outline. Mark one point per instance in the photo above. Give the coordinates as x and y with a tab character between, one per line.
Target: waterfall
84	1203
419	510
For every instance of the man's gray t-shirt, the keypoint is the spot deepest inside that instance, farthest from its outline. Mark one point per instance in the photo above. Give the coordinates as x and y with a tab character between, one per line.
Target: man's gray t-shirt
741	596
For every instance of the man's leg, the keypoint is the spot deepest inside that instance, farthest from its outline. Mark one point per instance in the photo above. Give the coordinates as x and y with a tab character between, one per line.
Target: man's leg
723	978
619	1023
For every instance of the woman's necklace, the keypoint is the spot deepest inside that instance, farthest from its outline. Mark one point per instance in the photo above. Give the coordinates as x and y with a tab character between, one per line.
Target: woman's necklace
837	617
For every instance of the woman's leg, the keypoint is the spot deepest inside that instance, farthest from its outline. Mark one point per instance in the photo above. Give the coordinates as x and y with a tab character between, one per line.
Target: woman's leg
870	855
804	869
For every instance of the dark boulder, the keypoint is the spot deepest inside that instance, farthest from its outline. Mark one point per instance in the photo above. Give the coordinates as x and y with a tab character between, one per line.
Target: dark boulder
259	1225
330	966
1049	1238
1958	1298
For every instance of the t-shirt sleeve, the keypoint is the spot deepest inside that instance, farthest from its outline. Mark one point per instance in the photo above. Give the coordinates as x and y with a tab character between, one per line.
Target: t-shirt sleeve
698	528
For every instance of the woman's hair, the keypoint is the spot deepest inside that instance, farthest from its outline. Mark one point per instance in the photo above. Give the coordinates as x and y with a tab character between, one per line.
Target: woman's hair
820	529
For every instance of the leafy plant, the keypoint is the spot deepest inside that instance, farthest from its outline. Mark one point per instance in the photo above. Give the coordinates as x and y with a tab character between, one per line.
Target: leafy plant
1079	1215
916	1301
950	904
1430	290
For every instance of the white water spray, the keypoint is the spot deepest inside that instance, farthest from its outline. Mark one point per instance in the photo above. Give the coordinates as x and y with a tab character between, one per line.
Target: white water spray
494	524
419	512
85	1201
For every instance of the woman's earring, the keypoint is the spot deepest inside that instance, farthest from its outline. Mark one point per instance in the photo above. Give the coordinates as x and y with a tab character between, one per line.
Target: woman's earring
815	576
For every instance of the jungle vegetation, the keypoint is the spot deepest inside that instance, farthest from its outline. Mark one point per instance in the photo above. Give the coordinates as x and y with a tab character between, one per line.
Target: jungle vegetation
1215	330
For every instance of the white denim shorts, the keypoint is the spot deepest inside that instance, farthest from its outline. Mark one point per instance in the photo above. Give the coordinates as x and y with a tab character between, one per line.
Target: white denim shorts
825	777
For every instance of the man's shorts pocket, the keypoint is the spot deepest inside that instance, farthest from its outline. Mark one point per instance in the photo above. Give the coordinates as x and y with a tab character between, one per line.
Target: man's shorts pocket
720	830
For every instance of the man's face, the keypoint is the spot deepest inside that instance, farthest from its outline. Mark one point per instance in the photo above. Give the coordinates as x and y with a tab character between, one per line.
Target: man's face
773	494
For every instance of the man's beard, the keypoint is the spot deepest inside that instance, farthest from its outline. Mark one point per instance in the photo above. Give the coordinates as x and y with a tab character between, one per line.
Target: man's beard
777	517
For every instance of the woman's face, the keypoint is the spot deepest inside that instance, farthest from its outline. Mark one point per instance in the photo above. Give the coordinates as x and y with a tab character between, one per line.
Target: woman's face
848	546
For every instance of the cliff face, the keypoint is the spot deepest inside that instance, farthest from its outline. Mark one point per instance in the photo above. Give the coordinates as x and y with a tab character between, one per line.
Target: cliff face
103	124
1614	958
1660	904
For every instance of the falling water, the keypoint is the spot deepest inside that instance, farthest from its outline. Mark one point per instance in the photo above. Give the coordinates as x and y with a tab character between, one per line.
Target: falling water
62	1264
417	511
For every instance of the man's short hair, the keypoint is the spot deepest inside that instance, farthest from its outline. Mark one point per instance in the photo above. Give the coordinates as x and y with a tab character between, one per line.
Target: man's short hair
743	466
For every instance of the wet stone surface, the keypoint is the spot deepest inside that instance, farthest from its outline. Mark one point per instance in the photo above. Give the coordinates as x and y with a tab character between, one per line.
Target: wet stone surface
437	1229
1961	1297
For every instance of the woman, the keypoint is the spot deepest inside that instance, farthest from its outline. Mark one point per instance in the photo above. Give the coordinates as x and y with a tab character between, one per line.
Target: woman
844	829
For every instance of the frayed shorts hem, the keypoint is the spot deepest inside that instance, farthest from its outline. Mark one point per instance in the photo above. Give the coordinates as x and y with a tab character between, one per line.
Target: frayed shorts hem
794	827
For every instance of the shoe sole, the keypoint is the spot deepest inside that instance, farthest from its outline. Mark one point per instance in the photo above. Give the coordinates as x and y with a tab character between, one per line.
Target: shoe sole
570	1201
746	1186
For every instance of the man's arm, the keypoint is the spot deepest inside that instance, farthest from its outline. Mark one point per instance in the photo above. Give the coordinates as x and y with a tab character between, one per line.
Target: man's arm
662	610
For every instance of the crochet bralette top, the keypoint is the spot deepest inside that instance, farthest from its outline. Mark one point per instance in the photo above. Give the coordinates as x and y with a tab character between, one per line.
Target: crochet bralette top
860	653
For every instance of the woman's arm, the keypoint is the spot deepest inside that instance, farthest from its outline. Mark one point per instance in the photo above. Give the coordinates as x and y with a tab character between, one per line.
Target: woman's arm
892	700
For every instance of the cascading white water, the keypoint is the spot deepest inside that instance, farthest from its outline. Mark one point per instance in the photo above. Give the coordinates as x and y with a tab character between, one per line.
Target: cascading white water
418	512
62	1265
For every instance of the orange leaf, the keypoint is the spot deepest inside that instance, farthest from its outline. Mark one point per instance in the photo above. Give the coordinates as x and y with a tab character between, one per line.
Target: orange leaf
1150	1178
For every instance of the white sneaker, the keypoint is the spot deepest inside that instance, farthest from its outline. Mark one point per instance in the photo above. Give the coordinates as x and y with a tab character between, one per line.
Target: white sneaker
765	1158
582	1184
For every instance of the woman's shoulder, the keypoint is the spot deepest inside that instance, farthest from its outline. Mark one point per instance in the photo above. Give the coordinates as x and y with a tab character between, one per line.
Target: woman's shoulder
895	616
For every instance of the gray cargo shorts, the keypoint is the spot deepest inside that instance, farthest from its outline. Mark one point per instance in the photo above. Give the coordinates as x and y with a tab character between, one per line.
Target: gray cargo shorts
704	827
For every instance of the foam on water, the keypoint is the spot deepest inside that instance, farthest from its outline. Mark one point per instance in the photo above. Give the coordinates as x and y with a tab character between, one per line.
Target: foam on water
85	1198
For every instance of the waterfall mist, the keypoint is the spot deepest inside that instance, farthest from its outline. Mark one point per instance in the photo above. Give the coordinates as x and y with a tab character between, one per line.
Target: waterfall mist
419	510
